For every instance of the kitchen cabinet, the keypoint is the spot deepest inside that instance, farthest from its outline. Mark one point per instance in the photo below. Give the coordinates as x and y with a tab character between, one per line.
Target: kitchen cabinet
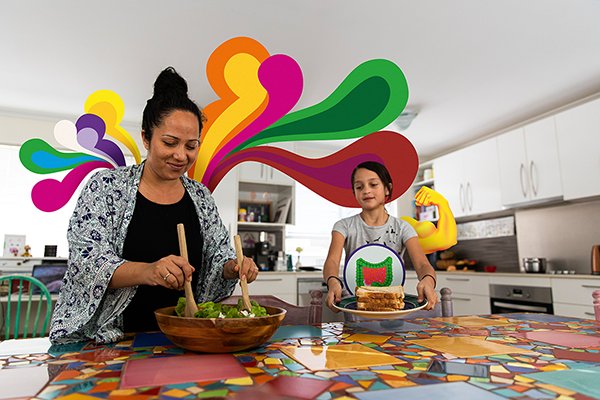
469	179
271	193
528	162
578	134
424	178
282	285
573	296
226	198
258	172
470	292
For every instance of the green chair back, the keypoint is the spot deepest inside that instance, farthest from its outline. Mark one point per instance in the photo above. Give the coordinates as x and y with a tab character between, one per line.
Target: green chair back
26	298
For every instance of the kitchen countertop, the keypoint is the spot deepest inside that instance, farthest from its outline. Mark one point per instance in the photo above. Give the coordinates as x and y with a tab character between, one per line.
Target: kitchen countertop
412	273
519	274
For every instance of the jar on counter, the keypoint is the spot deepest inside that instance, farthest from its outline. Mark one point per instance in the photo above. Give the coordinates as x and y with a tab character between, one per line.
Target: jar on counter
242	215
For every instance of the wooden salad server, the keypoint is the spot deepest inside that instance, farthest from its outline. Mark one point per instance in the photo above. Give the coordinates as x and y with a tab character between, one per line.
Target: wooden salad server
243	283
191	307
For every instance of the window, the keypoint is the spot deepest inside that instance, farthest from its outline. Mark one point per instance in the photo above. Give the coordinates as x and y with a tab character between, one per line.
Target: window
315	218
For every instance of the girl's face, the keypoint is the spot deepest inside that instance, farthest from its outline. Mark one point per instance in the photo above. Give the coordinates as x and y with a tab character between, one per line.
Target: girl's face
368	189
174	145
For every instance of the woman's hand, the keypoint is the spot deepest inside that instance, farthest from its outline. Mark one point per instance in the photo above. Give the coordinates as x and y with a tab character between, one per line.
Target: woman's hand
249	270
334	295
170	272
425	290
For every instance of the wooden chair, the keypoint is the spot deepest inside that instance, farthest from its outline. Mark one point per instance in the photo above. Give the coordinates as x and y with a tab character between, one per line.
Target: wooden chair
596	296
26	285
296	315
443	308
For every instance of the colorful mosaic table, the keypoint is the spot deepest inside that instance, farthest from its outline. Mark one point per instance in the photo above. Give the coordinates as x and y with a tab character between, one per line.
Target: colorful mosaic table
506	356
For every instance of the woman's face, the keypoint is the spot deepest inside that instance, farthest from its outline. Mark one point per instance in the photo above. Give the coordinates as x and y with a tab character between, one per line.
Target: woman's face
174	145
368	189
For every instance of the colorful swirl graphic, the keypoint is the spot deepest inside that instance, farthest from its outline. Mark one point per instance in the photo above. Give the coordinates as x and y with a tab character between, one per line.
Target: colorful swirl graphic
256	93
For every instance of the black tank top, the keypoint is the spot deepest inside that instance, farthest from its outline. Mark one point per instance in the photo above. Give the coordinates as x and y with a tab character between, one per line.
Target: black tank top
152	235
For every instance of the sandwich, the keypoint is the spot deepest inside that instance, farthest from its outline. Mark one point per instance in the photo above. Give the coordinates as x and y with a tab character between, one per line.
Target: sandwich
385	298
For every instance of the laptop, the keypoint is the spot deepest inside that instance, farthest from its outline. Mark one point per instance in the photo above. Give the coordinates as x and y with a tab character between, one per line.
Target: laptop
51	275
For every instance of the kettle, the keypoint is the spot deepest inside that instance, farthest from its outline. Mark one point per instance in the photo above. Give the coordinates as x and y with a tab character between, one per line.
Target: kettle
596	259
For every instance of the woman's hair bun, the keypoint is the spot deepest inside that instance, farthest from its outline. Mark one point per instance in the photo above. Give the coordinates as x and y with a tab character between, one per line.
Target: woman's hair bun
169	82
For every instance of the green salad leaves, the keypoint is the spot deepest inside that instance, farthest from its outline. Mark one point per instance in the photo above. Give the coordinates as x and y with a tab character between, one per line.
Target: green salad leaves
218	310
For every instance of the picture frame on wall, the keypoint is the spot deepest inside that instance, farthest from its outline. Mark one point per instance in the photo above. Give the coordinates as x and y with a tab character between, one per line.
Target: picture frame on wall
283	208
14	245
257	211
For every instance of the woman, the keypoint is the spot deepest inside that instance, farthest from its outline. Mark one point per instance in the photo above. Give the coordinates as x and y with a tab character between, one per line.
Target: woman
124	258
372	187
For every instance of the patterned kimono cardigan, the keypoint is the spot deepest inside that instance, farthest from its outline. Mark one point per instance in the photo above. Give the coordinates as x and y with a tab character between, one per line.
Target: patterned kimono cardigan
86	308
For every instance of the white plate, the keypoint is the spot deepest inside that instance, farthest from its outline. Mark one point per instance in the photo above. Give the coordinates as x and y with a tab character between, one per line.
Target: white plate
373	253
348	305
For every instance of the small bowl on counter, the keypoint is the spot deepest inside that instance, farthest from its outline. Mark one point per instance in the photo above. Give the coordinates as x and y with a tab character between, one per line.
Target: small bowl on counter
490	268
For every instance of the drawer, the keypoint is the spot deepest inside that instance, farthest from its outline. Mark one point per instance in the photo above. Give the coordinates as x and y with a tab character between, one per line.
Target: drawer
271	284
574	310
464	304
470	284
574	291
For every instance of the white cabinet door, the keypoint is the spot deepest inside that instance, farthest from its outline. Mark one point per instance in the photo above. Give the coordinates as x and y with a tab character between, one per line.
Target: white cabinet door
572	310
469	179
482	178
258	172
226	197
512	159
578	133
470	304
542	155
280	285
449	181
529	166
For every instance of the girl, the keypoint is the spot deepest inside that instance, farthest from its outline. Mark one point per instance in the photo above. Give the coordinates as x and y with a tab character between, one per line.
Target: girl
372	187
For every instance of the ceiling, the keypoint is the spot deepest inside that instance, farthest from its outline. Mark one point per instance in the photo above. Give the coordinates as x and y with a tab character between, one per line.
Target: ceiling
473	67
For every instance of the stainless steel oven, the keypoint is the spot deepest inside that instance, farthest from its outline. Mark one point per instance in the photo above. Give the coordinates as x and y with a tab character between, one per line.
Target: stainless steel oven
514	298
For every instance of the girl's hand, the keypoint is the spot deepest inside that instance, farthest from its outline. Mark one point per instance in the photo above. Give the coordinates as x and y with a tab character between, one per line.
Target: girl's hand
170	272
425	290
333	295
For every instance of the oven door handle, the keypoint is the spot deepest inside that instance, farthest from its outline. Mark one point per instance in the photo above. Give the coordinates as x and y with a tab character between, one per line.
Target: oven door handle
519	306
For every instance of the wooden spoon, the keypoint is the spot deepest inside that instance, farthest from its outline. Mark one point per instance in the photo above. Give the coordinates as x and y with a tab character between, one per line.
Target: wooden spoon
243	283
191	307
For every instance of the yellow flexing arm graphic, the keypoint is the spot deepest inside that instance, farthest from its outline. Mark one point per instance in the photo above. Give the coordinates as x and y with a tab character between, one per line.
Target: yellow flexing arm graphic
432	238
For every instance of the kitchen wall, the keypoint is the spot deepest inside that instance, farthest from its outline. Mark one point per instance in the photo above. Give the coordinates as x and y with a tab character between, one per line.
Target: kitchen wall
563	234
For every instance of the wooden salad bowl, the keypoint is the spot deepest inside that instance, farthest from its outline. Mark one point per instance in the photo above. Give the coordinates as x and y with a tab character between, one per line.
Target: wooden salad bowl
218	335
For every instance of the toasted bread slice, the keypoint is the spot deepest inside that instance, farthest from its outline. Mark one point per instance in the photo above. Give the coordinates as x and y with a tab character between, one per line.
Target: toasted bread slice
380	302
384	292
375	298
374	307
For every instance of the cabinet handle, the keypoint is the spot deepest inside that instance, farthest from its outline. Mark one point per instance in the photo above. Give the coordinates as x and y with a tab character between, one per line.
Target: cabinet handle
262	168
523	187
269	280
591	286
460	197
458	279
533	189
460	298
589	313
469	195
272	172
